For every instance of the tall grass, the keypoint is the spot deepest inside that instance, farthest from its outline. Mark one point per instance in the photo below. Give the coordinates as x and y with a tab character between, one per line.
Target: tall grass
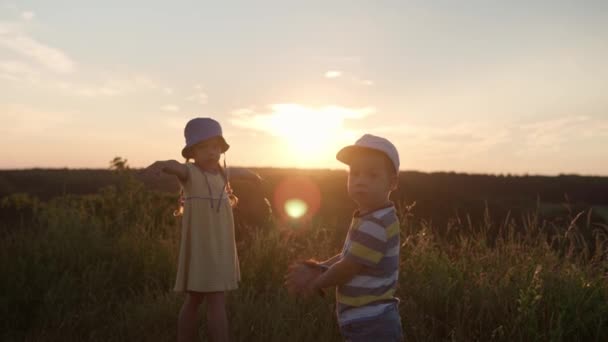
101	268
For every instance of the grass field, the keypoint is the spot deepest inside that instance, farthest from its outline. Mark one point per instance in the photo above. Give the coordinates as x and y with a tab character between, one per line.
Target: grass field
101	268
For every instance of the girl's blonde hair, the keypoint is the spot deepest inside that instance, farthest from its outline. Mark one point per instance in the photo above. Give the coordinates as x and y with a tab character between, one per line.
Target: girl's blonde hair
227	187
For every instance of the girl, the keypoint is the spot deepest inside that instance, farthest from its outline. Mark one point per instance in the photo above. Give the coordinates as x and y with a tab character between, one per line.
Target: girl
208	263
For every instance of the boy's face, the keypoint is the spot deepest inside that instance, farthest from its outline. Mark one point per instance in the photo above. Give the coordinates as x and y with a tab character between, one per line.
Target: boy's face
207	152
370	181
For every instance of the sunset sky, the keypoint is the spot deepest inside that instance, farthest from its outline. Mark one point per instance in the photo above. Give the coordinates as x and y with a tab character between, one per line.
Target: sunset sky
468	86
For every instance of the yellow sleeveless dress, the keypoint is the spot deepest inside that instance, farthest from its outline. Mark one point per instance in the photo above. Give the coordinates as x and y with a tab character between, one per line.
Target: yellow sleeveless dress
208	260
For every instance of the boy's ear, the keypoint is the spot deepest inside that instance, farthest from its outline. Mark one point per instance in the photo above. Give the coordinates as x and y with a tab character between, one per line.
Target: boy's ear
394	182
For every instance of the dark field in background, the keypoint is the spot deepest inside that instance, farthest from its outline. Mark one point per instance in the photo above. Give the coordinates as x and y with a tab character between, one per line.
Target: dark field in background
438	196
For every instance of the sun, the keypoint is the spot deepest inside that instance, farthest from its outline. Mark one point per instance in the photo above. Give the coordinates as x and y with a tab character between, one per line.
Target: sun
305	136
309	132
301	128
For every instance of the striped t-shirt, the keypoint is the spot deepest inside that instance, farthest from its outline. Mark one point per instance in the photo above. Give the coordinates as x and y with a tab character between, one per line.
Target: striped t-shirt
373	241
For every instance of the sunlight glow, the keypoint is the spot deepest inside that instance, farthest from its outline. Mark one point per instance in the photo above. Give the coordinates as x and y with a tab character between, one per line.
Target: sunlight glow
333	74
296	208
306	136
310	131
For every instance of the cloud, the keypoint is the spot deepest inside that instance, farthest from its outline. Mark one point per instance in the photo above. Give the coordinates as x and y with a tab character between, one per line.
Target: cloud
110	86
22	120
517	139
99	86
365	82
556	134
243	112
28	15
199	97
170	108
551	132
333	74
462	140
17	71
40	58
20	43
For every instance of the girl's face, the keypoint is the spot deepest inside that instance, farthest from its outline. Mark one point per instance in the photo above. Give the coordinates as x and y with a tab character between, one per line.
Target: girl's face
207	153
370	181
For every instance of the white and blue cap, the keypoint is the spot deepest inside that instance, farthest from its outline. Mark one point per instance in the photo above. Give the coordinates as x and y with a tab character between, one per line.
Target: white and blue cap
200	129
370	142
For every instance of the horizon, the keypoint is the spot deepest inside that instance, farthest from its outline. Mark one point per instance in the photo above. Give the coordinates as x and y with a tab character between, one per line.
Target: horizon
255	168
470	88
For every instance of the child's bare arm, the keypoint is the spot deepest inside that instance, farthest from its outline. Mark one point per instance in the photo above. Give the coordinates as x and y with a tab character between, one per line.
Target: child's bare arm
171	167
339	273
331	261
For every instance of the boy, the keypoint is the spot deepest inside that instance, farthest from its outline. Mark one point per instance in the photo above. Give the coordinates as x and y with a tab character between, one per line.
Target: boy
365	273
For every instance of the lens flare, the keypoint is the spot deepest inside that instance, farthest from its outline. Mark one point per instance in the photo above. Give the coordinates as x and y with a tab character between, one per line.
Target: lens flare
296	208
297	199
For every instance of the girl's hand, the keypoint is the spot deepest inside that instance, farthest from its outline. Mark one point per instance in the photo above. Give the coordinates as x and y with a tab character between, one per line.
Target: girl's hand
155	169
172	167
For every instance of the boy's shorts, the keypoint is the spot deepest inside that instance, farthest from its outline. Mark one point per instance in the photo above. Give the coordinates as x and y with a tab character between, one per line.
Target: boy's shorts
384	328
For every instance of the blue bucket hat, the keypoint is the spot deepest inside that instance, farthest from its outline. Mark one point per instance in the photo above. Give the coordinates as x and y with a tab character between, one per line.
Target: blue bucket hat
200	129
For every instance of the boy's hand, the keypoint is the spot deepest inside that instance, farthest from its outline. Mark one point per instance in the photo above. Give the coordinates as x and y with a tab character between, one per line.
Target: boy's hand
300	276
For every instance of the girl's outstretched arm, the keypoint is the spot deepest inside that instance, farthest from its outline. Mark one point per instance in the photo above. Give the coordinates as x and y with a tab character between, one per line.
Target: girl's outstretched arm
171	167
